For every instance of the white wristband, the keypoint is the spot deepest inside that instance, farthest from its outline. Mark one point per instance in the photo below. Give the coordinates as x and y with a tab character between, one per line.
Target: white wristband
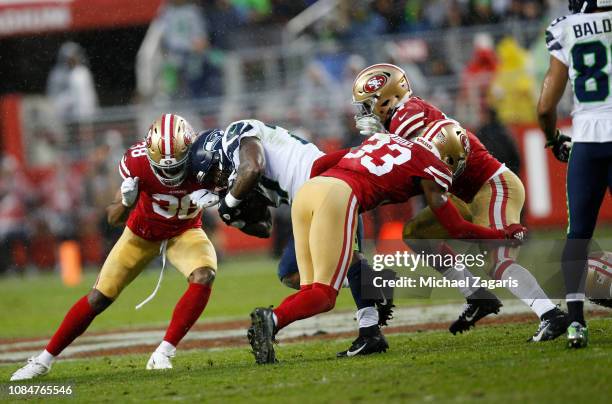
232	201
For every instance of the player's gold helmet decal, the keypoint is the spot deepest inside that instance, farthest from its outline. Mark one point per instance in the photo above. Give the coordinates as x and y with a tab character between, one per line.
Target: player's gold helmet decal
168	142
451	141
378	89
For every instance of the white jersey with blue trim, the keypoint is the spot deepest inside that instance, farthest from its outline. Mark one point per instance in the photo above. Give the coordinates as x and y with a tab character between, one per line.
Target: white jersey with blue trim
583	42
289	159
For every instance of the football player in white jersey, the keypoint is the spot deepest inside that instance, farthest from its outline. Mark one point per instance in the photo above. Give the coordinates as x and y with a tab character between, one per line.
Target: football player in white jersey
270	161
580	45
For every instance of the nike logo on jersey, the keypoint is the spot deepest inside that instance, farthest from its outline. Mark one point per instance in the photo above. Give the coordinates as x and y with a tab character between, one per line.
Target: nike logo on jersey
401	118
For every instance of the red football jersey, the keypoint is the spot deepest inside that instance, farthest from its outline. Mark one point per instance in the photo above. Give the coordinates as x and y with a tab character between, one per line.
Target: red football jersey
386	169
415	114
161	212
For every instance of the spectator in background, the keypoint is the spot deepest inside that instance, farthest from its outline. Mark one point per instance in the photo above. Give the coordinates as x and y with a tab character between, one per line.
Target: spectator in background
70	85
184	44
476	79
500	143
222	20
252	11
16	193
513	82
481	12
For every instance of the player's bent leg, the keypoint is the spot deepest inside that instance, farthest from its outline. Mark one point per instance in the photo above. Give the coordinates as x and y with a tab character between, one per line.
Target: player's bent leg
188	250
125	261
78	318
425	233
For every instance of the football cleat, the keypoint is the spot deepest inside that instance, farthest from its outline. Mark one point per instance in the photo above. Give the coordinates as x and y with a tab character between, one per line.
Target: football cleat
31	370
366	344
551	327
159	361
577	335
480	304
261	335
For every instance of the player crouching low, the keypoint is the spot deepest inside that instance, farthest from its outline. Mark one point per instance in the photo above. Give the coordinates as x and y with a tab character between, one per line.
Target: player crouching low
156	200
384	169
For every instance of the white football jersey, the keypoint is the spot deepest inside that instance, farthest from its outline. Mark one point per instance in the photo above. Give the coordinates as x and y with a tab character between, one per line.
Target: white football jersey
289	158
583	42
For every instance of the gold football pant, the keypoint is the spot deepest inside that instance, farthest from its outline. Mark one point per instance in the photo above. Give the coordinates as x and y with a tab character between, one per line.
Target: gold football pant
324	218
188	251
497	204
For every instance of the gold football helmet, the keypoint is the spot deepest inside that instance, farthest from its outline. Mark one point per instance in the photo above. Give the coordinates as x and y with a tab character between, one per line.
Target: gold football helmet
378	89
451	141
168	142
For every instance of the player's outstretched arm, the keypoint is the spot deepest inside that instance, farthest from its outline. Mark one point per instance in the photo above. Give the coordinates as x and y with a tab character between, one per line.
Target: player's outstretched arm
553	87
456	225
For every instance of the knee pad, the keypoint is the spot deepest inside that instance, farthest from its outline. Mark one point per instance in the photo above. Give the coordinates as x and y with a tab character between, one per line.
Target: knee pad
329	293
204	276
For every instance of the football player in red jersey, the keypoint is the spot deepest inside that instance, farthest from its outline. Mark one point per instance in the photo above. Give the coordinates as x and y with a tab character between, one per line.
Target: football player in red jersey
384	169
487	193
155	202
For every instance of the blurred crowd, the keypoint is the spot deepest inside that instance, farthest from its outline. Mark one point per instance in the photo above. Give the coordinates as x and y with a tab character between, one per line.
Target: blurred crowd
63	197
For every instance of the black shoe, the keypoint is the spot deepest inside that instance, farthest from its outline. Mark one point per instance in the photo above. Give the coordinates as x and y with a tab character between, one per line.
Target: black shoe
369	341
261	335
480	304
552	325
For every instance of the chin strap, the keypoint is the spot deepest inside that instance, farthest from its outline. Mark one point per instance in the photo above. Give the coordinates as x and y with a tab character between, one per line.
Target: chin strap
162	251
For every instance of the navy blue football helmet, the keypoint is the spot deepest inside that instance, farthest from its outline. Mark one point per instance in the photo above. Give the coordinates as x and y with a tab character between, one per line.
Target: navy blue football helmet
206	153
575	6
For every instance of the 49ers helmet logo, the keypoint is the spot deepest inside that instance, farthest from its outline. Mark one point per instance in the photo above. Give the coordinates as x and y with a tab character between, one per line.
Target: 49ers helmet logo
375	83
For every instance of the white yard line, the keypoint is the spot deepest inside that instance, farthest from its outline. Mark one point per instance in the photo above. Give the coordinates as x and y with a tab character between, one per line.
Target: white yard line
336	322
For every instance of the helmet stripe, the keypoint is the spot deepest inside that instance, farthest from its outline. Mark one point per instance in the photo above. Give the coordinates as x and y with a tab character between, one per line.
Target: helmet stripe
171	137
433	131
166	134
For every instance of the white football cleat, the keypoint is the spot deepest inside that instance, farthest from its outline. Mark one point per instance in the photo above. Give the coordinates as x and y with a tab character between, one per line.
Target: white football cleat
34	368
159	361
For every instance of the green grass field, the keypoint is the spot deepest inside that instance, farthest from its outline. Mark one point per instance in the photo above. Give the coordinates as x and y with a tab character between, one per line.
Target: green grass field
490	364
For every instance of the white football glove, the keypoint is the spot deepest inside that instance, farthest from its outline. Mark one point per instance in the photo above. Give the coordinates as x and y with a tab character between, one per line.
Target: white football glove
204	198
129	191
369	125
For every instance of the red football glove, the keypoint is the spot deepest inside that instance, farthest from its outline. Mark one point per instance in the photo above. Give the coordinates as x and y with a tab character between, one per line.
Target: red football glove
516	232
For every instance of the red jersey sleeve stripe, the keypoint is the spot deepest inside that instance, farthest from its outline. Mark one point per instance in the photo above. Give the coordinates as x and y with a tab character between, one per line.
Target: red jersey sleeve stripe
440	180
123	170
418	118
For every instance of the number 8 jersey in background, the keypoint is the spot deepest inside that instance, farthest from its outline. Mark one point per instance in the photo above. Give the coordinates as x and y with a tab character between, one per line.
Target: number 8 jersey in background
387	169
161	212
583	42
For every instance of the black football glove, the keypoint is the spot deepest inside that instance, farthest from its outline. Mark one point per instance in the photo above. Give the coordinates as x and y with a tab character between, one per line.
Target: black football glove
229	215
561	145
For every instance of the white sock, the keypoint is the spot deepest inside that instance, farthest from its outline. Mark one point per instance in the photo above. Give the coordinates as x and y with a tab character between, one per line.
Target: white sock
462	276
275	319
367	317
345	283
575	297
166	348
45	358
528	289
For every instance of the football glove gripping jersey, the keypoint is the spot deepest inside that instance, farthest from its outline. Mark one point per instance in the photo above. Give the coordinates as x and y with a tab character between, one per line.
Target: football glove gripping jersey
129	191
204	198
516	232
561	145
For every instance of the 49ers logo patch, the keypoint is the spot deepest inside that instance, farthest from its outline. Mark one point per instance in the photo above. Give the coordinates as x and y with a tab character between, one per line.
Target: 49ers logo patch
375	83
